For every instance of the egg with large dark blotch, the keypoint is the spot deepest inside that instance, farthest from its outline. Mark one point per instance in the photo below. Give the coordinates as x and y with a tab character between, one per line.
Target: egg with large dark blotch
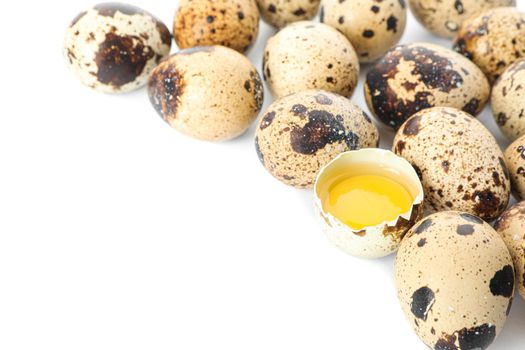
455	281
410	78
113	47
300	133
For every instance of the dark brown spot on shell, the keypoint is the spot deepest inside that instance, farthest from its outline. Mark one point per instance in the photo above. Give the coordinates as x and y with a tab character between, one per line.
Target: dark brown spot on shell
487	204
422	301
477	337
321	129
502	284
299	110
465	230
445	165
391	24
472	107
164	32
400	146
423	226
121	59
368	33
422	242
165	86
267	120
412	126
299	12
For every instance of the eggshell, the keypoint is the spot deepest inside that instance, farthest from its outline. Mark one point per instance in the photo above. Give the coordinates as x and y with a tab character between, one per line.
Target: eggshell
515	159
280	13
410	78
300	133
444	17
373	27
460	162
493	39
511	227
231	23
113	47
455	281
508	100
308	55
373	241
210	93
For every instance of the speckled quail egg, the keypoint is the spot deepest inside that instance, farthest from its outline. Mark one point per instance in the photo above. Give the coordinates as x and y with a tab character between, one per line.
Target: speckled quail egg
210	93
307	55
373	27
493	39
230	23
460	163
511	227
279	13
444	17
113	47
508	100
410	78
300	133
455	281
515	159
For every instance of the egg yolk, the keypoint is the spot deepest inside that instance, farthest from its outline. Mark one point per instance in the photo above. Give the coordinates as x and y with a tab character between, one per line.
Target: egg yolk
367	200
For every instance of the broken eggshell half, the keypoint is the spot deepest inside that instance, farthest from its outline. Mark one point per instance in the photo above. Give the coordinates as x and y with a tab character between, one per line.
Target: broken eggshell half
371	241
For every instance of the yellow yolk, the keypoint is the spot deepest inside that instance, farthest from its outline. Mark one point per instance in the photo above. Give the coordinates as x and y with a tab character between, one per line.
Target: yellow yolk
367	200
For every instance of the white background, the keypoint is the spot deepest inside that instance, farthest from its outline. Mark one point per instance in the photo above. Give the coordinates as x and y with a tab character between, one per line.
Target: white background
116	232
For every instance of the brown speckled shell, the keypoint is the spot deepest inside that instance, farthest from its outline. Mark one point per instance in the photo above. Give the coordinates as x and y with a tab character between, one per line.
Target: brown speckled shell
493	39
460	162
515	159
230	23
508	100
455	281
280	13
511	227
444	17
372	27
308	55
300	133
210	93
410	78
113	47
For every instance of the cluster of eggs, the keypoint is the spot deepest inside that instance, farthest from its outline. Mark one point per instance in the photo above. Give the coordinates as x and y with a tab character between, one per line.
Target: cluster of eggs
455	273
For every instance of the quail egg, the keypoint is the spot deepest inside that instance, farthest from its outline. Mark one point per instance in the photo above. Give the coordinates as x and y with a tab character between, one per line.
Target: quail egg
459	161
455	281
493	39
515	159
113	47
373	27
210	93
230	23
508	100
279	13
390	187
308	55
300	133
410	78
444	17
511	227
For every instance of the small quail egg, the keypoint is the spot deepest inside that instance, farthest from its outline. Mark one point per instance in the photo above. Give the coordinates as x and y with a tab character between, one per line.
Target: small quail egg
113	47
280	13
373	27
444	17
390	187
508	100
460	162
493	39
515	159
511	227
308	55
410	78
230	23
210	93
300	133
455	281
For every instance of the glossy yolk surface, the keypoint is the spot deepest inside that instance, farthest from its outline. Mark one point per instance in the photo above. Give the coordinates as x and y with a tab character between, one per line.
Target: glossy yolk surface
367	200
